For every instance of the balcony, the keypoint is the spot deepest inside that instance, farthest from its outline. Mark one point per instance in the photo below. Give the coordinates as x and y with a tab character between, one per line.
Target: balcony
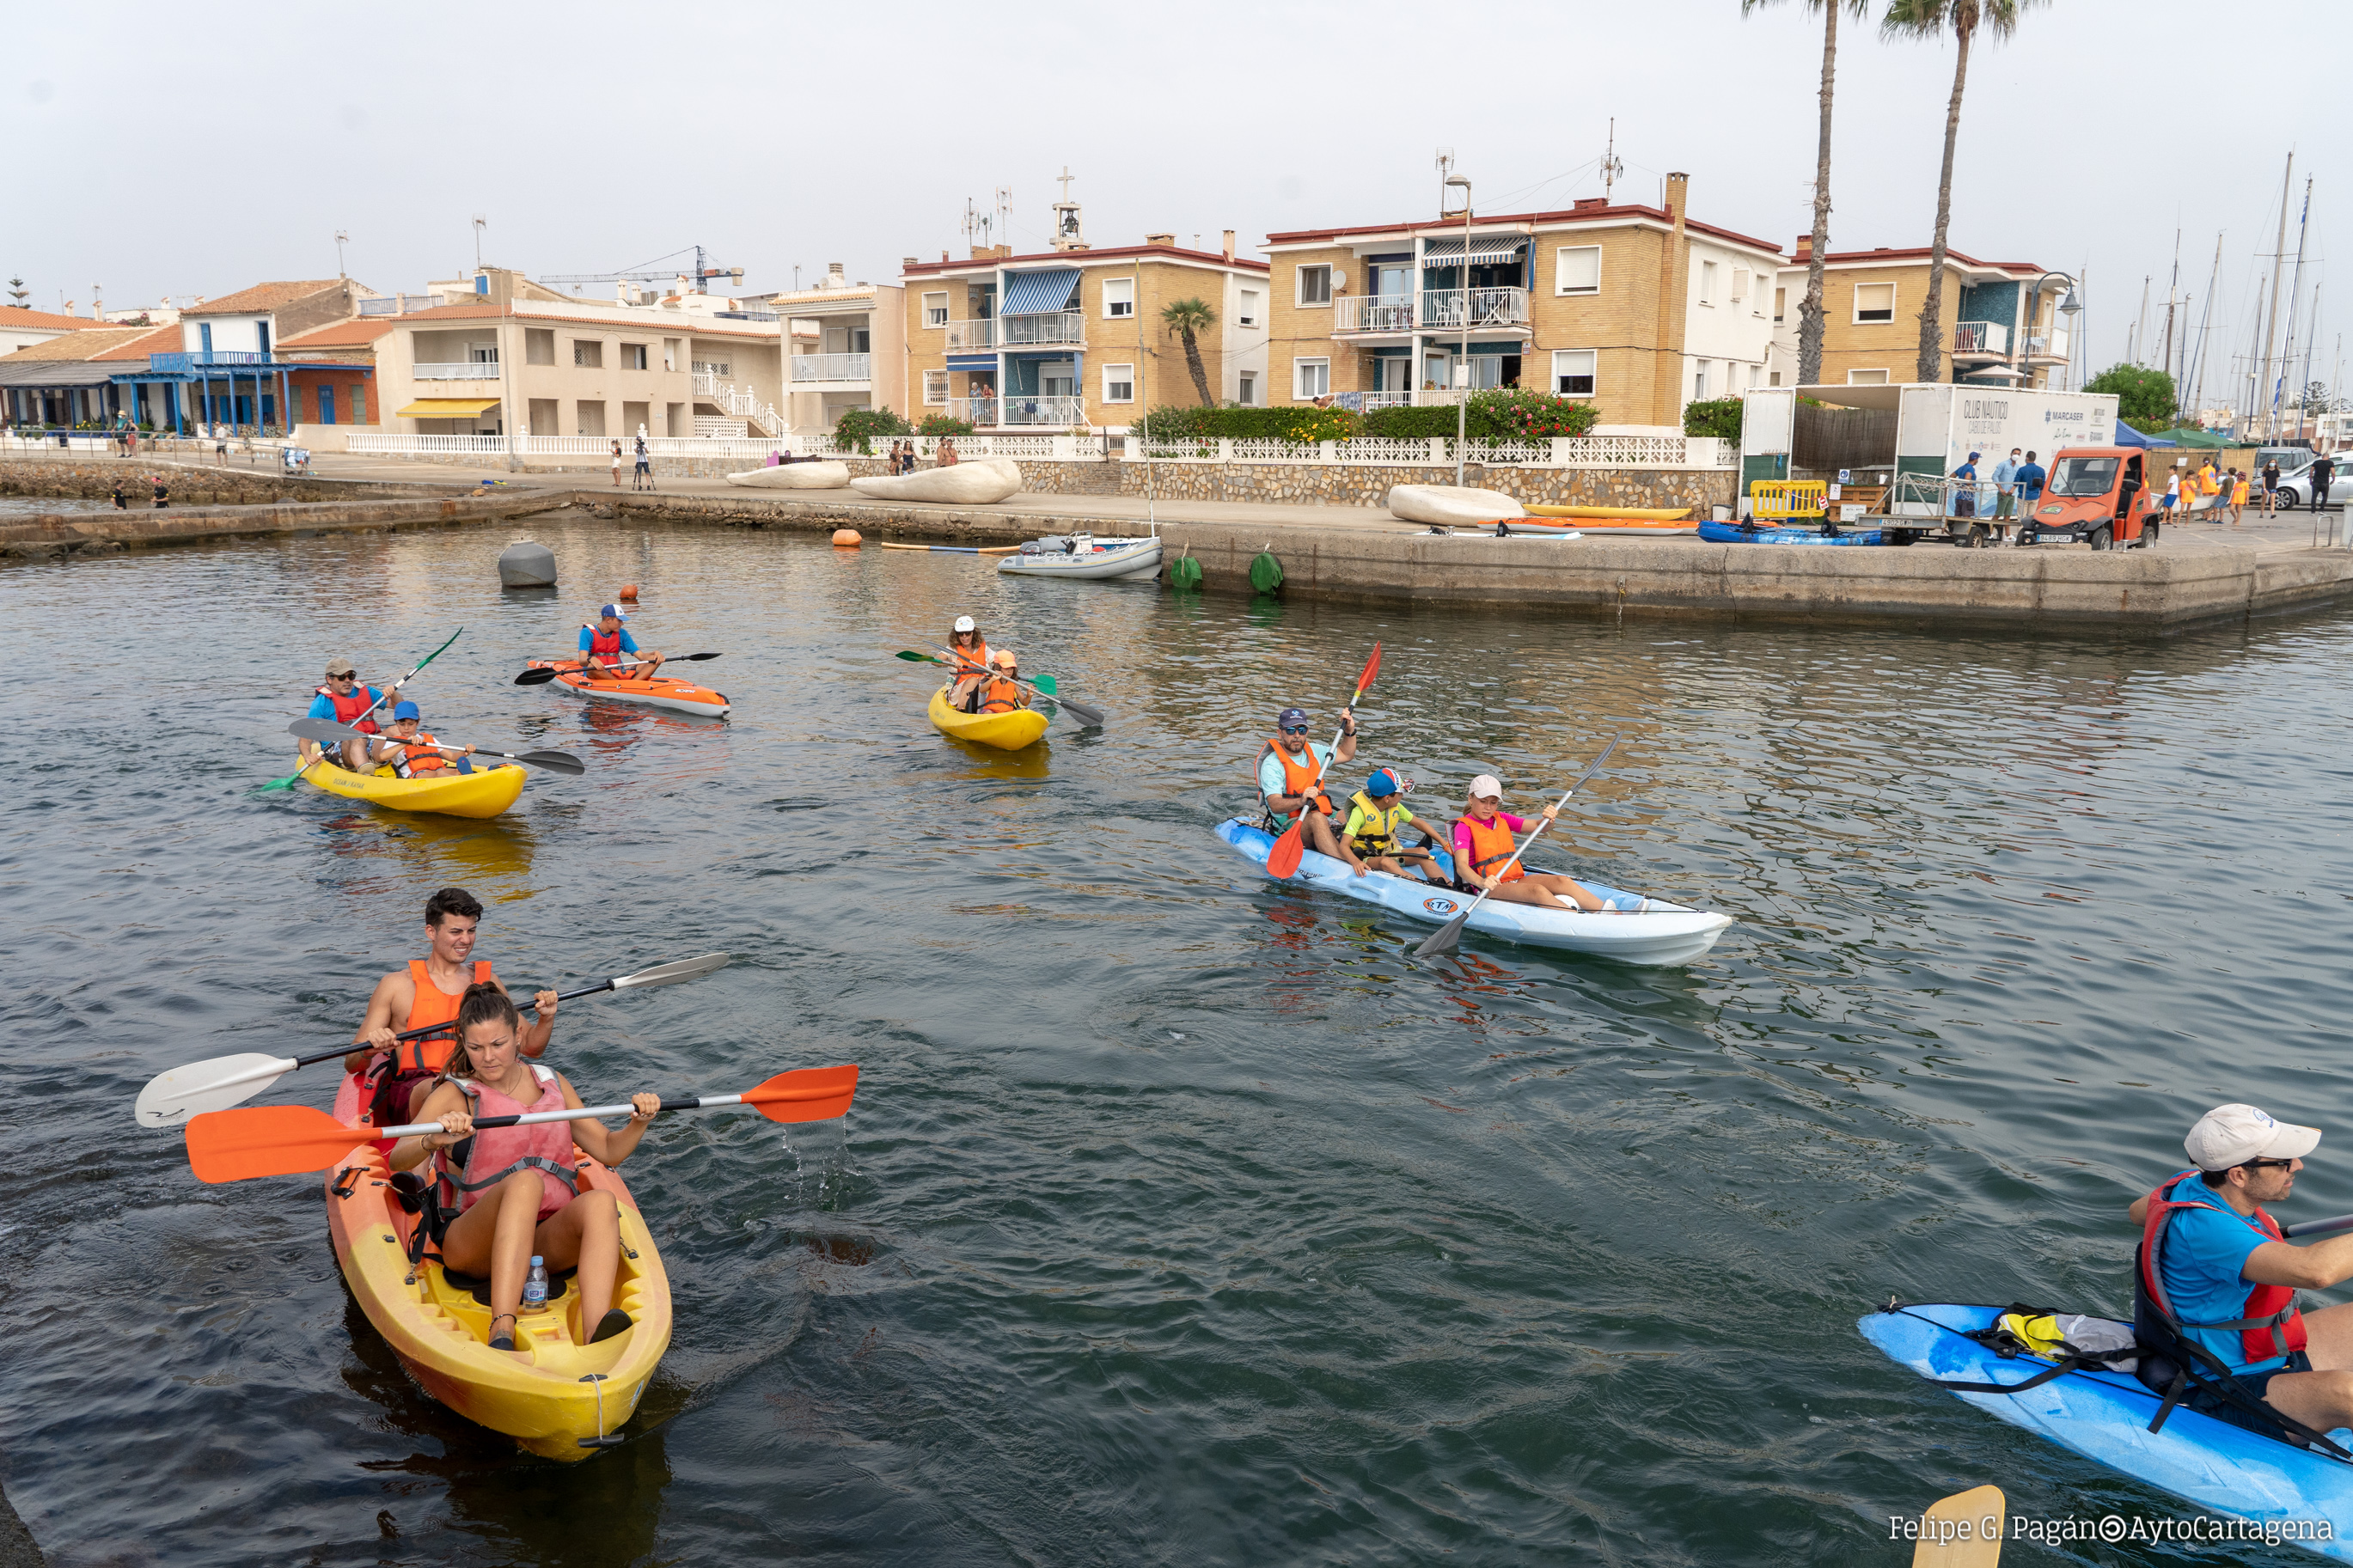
182	363
1372	313
2049	344
1445	310
457	370
972	337
1060	413
1052	327
1983	340
833	367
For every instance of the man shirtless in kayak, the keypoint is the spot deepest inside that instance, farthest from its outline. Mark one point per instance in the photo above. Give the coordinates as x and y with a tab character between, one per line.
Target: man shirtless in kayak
428	992
1291	769
2222	1262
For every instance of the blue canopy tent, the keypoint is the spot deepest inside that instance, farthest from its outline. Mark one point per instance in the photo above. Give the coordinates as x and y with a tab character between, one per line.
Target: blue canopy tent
2128	436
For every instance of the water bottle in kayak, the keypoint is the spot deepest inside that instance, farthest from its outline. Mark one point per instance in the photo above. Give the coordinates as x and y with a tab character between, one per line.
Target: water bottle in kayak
534	1286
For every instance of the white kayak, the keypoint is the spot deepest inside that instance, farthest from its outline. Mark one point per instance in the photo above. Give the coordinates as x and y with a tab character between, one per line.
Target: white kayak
1632	929
1084	556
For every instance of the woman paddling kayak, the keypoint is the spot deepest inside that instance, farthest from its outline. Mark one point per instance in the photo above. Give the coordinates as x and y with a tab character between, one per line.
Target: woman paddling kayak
1482	854
515	1190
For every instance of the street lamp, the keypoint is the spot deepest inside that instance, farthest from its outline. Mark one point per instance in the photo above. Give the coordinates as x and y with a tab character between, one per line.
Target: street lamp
2067	306
1462	364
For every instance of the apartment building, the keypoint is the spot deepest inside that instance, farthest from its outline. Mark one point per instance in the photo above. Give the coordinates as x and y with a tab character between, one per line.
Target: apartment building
1871	325
332	374
845	348
1637	309
1072	336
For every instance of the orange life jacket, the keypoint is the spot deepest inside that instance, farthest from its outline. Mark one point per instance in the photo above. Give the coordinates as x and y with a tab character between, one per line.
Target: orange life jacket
1490	845
977	654
347	707
998	695
1300	777
385	1087
2271	1326
412	758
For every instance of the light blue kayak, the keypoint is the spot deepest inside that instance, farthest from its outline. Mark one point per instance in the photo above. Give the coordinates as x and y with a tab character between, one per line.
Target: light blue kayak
2104	1415
1633	930
1726	533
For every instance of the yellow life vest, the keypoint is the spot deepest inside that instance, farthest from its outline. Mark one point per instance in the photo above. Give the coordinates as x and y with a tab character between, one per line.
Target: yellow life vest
1377	829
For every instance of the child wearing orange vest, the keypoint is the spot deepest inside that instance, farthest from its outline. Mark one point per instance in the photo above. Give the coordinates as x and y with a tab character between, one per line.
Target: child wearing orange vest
1482	854
412	752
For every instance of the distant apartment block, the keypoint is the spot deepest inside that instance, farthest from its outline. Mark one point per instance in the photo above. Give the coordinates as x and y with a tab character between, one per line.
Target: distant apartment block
1870	318
845	347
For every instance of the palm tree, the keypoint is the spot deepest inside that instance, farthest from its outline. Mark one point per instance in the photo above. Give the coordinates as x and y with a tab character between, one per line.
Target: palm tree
1810	309
1928	19
1187	319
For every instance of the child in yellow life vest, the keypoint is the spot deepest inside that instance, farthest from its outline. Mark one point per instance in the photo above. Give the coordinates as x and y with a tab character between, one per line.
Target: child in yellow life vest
1372	839
413	753
998	692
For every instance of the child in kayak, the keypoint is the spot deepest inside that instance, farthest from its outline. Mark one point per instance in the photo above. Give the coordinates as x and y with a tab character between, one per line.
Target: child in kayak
1484	843
515	1190
1370	841
998	692
411	754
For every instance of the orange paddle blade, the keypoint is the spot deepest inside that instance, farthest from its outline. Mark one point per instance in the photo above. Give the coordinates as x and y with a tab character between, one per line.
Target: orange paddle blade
1372	667
812	1094
267	1140
1283	858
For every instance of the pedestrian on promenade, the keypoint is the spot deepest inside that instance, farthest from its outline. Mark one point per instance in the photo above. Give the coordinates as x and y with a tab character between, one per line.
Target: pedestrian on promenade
1965	497
948	457
617	465
120	502
2030	479
2239	485
2270	487
2005	497
643	479
2324	474
220	442
2172	491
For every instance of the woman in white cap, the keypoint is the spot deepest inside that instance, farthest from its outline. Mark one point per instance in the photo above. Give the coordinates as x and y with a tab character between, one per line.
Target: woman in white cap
972	656
1484	844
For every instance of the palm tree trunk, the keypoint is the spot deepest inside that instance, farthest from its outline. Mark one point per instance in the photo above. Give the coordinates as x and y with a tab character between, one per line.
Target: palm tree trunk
1193	363
1932	312
1810	311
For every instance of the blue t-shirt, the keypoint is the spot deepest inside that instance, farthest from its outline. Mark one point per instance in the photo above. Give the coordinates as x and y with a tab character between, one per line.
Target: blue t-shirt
322	707
2030	479
629	643
2204	1250
1270	770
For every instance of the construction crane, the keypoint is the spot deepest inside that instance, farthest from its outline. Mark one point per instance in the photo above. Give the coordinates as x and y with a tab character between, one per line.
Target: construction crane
648	272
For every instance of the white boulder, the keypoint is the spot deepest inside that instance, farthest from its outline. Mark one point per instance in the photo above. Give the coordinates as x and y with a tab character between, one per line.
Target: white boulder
794	476
975	481
1451	503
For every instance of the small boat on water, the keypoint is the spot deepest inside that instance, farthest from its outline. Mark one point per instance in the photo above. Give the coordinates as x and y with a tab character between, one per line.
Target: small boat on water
485	792
661	691
1083	556
1633	930
1733	533
1006	731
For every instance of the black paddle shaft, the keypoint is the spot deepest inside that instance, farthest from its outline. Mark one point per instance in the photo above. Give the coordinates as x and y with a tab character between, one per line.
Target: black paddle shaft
429	1030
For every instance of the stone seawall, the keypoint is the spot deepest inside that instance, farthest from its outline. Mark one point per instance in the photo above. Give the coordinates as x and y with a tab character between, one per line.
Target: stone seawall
191	482
96	533
1351	484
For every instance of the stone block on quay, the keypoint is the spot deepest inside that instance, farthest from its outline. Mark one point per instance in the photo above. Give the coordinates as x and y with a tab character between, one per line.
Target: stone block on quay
976	481
1449	504
794	476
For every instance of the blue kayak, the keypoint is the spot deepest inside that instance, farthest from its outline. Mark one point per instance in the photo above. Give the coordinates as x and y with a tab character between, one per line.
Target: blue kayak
2104	1415
1730	534
1632	929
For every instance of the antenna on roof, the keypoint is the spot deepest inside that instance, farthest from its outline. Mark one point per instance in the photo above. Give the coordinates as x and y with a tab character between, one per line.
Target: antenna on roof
1612	166
480	223
342	240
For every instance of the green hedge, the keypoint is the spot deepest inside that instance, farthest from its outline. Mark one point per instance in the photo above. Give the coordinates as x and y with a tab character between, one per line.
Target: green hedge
1251	424
859	427
1719	417
1500	414
944	425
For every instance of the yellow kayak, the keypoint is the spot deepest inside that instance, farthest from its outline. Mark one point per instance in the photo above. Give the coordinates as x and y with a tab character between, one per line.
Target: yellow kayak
557	1395
1632	513
485	792
1006	731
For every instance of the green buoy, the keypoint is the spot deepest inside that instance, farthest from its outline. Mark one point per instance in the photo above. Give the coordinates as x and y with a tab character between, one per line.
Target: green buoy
1185	574
1266	572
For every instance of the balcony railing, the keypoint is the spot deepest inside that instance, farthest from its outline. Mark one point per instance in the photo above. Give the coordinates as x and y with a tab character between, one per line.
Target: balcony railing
2050	344
833	367
398	304
1060	412
1053	327
1373	314
1455	308
972	337
459	370
181	364
1981	338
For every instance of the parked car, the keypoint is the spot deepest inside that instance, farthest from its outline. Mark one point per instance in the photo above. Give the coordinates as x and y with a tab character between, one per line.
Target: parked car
2295	489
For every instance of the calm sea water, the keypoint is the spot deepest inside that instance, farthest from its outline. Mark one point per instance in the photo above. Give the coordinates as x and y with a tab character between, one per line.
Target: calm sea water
1181	1218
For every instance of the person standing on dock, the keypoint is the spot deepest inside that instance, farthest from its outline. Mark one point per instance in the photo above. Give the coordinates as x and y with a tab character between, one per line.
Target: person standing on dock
2270	487
2324	474
2172	491
617	465
2030	479
1965	494
2005	487
643	478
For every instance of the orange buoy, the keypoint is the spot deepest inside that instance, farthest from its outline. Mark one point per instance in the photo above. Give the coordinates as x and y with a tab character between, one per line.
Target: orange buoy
848	538
628	592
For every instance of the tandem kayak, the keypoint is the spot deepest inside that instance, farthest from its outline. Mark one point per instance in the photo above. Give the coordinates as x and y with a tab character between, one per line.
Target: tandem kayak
1006	731
1634	930
2306	1497
1732	533
660	691
485	792
555	1394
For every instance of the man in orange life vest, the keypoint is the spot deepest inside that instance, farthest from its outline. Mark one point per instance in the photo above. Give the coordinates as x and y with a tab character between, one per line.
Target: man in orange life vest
606	644
2222	1271
1291	769
428	991
413	753
344	701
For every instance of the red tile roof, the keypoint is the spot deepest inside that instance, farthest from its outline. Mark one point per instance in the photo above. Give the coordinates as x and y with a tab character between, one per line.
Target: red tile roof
357	333
263	298
17	316
1598	212
93	342
1080	257
667	322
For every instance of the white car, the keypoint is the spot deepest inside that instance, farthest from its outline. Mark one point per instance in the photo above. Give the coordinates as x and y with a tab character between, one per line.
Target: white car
2295	489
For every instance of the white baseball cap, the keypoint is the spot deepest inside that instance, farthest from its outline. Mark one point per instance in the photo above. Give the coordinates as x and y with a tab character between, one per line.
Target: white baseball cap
1487	784
2232	1135
964	622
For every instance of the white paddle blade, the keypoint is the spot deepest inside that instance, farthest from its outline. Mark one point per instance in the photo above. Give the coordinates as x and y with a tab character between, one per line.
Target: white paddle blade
671	973
171	1098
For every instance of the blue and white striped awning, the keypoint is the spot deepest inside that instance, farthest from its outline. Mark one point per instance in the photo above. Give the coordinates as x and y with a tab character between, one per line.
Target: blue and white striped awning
972	362
1038	293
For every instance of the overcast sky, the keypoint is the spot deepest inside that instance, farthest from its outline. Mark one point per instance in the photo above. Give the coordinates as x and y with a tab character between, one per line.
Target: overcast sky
160	152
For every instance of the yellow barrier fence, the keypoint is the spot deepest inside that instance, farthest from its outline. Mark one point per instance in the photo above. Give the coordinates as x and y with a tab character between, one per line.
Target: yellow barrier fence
1771	500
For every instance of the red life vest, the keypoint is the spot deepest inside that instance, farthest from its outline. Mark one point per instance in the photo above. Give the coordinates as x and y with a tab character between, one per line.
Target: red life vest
417	757
346	708
2272	1326
603	647
1299	778
485	1158
1490	845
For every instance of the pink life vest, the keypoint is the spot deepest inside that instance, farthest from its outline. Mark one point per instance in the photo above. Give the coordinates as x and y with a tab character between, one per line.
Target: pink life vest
491	1154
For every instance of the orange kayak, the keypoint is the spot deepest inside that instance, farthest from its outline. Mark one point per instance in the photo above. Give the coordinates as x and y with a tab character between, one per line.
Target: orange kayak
660	691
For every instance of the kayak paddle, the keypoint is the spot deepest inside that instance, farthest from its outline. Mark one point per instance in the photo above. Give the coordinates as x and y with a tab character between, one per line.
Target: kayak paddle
289	1140
171	1098
1087	718
547	673
323	732
1283	858
288	781
1448	937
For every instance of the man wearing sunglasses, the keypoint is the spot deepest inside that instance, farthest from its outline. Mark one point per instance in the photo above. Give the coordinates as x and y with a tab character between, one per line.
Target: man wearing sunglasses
2228	1279
1291	769
344	701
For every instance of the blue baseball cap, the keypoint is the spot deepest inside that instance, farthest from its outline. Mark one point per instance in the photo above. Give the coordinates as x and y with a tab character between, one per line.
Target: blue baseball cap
1383	782
614	611
405	711
1292	718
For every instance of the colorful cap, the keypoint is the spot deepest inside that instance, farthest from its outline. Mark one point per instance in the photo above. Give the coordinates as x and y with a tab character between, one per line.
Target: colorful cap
2232	1135
1003	658
405	711
1383	782
1487	784
615	611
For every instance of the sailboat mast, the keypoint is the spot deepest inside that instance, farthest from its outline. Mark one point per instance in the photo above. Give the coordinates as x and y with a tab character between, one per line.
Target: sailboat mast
2271	314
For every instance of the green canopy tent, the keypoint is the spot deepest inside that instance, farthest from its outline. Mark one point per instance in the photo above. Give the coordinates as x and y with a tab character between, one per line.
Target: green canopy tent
2188	437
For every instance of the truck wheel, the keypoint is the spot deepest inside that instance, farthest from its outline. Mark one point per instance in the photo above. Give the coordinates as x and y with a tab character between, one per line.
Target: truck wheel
2148	534
2101	537
1975	539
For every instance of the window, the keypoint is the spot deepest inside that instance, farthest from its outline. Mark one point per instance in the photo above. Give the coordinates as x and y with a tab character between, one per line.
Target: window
1249	393
589	356
936	309
633	356
1574	371
670	354
539	347
1755	374
1314	289
1780	302
1312	377
861	340
1577	270
261	335
1119	382
1867	377
359	404
936	387
1739	284
1707	282
1774	379
204	336
1119	296
1248	315
1875	301
1699	383
481	353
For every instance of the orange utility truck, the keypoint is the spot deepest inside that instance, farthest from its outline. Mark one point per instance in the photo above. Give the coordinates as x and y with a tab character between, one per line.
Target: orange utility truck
2099	495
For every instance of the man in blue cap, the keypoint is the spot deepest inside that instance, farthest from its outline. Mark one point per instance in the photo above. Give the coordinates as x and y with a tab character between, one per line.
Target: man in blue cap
1377	816
413	753
1291	773
607	645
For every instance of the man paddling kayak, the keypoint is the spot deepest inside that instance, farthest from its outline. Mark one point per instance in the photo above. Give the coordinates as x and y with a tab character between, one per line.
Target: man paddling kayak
341	700
2214	1263
1369	841
515	1190
413	753
428	991
1482	854
606	644
1290	778
972	656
